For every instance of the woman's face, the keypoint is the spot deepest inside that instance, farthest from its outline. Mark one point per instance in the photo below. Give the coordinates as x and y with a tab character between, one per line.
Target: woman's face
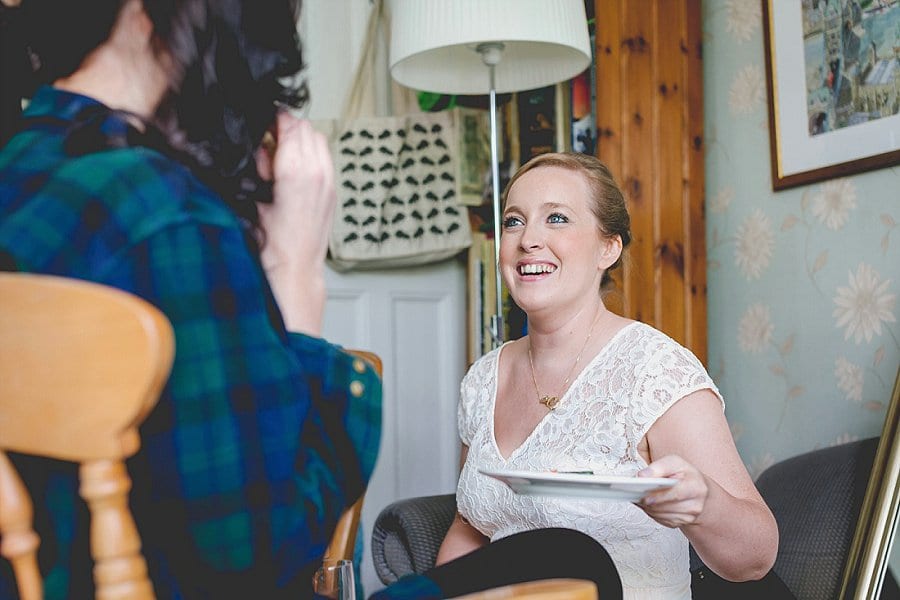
552	252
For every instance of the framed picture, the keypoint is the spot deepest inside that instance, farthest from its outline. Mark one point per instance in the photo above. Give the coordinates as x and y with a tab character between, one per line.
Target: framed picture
582	103
473	134
833	72
538	123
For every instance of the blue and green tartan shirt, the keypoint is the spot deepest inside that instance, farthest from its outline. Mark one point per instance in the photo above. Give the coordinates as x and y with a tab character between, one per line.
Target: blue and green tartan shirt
258	443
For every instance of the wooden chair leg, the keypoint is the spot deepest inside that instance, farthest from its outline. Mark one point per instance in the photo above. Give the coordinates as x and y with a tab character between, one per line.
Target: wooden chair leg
120	571
18	541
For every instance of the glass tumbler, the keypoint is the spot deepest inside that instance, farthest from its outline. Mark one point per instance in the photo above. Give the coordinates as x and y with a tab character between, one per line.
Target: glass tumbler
336	581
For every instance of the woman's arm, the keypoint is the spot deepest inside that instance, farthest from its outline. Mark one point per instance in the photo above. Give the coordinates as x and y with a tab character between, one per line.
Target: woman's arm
298	221
255	428
461	538
261	439
715	503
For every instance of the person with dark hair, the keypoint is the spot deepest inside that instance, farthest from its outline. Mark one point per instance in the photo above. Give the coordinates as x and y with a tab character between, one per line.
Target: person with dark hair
590	391
139	163
156	155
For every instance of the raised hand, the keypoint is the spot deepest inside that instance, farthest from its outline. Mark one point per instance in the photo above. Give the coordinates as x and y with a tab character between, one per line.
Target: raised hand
298	221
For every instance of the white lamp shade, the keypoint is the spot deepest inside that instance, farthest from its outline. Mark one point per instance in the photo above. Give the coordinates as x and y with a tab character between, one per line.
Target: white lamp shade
433	43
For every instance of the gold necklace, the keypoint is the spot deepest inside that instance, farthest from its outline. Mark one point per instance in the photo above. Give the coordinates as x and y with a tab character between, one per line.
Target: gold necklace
551	402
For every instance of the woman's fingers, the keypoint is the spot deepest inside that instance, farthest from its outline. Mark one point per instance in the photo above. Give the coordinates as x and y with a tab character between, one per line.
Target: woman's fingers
680	504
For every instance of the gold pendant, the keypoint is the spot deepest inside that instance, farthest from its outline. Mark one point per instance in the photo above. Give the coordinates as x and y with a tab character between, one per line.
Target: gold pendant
549	401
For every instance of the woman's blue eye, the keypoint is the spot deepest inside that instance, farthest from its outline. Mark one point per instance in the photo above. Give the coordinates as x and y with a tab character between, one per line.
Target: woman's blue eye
557	218
511	222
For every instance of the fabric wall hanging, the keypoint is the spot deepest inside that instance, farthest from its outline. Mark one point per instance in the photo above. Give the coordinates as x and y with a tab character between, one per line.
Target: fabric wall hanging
398	180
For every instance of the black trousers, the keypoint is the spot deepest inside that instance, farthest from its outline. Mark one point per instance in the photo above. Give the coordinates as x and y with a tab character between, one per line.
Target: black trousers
531	556
565	553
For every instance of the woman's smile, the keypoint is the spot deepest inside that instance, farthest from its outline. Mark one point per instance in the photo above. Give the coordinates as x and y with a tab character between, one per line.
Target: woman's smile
531	270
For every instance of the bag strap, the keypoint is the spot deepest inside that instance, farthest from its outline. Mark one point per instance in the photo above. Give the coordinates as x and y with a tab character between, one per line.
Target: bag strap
363	88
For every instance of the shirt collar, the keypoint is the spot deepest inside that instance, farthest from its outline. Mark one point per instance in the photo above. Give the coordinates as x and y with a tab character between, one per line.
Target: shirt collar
90	125
66	105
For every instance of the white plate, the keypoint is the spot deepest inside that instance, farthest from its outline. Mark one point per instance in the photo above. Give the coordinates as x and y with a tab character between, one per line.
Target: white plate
608	487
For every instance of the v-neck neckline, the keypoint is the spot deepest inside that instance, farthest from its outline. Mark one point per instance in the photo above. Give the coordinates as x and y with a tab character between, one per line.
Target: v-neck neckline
563	406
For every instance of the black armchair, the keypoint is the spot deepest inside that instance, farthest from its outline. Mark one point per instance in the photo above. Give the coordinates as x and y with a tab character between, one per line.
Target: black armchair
408	533
816	498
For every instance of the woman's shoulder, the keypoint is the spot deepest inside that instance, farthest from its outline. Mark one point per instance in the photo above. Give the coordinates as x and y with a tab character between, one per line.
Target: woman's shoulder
142	182
485	366
134	167
652	339
653	351
669	363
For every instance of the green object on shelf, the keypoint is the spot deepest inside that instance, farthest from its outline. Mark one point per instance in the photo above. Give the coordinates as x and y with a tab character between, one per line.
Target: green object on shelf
432	101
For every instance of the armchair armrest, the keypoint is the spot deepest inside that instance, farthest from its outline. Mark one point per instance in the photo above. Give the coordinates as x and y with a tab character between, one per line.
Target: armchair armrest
408	533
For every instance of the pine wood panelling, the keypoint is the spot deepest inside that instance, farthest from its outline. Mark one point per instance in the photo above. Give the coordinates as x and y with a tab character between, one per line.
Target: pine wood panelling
695	189
639	173
650	132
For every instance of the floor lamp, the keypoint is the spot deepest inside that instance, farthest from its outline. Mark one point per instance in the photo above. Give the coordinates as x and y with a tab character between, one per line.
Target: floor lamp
488	46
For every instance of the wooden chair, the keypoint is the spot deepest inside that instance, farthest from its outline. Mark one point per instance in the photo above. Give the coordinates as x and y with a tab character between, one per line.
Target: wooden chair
81	366
548	589
343	541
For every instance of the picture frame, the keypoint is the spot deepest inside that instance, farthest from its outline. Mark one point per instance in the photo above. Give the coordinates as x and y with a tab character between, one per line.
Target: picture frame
831	114
873	546
473	134
540	128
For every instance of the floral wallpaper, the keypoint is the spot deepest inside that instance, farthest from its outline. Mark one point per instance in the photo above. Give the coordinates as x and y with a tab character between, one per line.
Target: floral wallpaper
804	339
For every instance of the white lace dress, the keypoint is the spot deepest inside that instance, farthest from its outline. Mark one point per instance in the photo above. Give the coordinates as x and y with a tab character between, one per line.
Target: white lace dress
598	424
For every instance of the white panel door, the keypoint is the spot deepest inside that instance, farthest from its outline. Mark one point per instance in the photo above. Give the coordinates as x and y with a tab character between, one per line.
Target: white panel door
414	319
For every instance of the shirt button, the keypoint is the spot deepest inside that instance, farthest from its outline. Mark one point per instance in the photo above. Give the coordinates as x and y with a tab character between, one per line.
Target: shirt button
359	366
357	388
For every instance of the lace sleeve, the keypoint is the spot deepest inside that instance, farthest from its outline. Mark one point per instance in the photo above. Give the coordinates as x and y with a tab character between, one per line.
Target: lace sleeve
475	393
464	410
670	372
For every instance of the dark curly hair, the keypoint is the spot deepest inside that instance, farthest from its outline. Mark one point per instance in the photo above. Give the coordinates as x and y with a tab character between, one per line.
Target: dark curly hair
235	62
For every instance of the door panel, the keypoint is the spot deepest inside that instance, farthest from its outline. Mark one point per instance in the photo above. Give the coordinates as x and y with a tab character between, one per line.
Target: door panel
414	319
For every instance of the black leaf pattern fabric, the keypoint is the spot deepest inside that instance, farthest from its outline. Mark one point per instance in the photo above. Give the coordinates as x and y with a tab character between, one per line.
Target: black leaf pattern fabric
385	166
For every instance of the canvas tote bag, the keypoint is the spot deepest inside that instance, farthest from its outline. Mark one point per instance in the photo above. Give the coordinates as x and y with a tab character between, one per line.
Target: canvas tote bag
398	179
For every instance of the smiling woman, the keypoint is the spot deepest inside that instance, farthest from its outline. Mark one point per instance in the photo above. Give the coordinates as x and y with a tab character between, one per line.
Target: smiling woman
587	389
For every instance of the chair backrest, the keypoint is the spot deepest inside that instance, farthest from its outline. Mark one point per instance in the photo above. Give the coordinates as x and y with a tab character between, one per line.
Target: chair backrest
81	366
816	498
343	541
547	589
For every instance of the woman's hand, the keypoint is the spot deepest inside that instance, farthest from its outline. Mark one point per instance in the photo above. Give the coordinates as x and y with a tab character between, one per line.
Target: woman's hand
714	503
298	221
683	503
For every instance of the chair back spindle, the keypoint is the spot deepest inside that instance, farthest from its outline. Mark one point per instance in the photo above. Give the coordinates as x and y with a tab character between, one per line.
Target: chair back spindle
81	366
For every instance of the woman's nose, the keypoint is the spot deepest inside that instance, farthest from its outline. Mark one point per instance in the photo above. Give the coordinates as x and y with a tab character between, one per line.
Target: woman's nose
532	238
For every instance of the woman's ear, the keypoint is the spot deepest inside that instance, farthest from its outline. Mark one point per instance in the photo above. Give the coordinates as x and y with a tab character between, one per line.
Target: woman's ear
610	251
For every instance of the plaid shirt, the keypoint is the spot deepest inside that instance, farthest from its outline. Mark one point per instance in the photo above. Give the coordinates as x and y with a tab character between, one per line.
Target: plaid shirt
259	440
